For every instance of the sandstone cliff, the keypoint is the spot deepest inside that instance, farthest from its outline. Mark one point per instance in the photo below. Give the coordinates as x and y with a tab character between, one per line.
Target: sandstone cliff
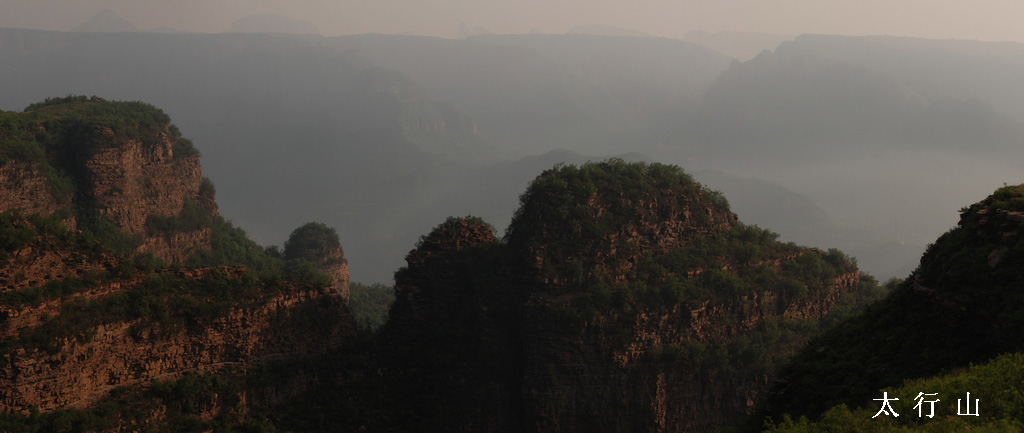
24	187
77	370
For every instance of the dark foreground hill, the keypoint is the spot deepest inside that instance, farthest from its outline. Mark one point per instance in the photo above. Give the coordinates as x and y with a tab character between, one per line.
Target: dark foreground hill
962	306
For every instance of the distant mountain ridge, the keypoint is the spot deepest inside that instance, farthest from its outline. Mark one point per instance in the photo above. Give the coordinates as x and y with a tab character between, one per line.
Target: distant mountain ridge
377	131
273	23
106	21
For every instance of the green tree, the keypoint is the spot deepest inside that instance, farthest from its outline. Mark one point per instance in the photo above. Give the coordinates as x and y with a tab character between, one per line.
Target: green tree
310	241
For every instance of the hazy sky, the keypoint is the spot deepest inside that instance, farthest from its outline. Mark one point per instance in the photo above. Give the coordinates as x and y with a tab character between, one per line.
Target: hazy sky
961	19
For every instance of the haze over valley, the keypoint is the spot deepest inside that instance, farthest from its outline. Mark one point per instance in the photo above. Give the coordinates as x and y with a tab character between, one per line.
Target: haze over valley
512	217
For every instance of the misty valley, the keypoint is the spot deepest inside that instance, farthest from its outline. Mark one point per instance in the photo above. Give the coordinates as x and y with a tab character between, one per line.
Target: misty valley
287	232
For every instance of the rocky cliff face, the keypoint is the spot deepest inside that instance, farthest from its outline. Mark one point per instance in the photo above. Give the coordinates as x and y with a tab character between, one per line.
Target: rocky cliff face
625	298
24	187
130	182
75	373
335	266
79	167
87	188
46	257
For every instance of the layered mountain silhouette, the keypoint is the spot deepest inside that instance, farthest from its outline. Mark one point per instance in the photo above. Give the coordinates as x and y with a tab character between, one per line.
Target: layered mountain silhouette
376	132
106	21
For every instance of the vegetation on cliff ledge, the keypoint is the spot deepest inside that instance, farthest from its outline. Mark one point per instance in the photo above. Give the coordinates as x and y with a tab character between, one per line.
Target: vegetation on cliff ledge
369	304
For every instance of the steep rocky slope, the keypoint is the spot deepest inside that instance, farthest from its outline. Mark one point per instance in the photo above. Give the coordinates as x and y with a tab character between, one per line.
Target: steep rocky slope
100	166
76	367
116	270
962	305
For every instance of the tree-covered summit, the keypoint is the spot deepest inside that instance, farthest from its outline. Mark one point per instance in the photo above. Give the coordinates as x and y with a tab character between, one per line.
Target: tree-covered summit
58	127
601	217
311	241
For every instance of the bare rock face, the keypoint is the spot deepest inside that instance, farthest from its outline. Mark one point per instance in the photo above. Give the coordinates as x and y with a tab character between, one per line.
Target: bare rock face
124	175
41	261
176	247
24	187
131	182
336	267
77	372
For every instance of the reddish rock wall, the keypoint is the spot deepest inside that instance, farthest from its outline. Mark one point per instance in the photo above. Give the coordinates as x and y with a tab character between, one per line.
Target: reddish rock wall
25	188
118	354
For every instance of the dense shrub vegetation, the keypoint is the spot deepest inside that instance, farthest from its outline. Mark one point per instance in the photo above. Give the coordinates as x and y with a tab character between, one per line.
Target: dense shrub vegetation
570	211
369	304
310	241
192	217
996	384
80	121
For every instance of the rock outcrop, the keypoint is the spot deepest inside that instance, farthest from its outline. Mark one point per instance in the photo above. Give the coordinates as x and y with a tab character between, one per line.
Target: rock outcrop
24	187
120	175
76	373
317	243
335	266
